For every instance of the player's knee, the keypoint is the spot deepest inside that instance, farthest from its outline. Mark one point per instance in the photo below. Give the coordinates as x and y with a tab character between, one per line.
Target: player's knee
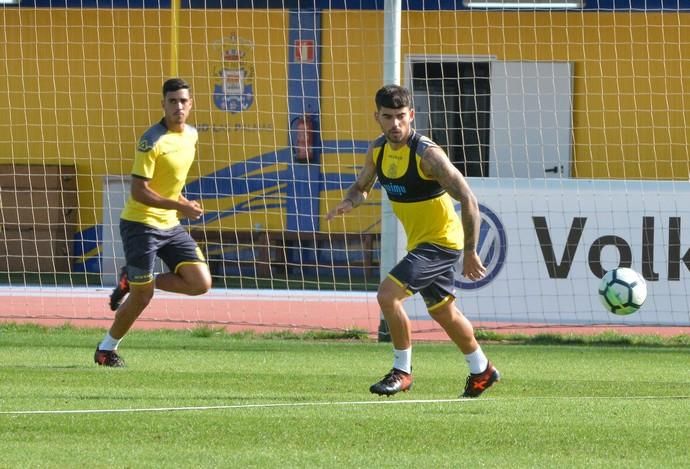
199	286
140	298
442	314
385	299
197	290
197	279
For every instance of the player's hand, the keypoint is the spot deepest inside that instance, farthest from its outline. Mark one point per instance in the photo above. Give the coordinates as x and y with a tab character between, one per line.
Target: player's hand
192	210
342	208
472	266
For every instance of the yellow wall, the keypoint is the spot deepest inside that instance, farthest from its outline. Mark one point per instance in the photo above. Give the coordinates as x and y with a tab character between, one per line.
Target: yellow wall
630	112
81	85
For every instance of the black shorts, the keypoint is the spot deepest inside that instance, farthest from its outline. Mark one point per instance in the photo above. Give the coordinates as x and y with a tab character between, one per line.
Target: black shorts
430	270
142	243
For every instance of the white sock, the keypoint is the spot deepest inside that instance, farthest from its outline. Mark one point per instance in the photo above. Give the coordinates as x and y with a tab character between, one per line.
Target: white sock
108	343
402	360
477	361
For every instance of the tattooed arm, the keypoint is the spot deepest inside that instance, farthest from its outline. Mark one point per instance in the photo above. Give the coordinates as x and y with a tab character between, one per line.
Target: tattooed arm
359	190
436	165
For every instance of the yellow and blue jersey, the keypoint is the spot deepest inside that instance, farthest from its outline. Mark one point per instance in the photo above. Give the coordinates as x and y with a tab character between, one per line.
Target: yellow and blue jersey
163	158
424	208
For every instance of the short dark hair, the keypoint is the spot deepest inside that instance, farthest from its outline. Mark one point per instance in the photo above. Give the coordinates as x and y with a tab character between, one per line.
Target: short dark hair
394	97
174	84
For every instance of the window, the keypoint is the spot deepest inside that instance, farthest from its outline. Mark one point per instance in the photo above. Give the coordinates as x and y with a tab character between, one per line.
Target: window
453	105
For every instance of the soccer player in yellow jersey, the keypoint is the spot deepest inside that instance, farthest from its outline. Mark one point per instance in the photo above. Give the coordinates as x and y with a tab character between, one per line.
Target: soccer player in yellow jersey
421	183
149	224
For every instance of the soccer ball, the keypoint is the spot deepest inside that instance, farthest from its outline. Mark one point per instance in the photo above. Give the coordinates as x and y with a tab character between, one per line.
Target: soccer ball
622	291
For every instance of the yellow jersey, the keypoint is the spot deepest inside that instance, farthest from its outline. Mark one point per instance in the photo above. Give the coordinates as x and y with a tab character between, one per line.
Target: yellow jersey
425	210
163	158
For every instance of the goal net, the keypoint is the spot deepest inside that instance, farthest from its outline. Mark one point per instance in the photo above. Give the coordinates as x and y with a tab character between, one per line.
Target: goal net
569	120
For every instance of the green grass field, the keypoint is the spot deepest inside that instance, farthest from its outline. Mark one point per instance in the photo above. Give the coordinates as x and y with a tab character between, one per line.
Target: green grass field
204	398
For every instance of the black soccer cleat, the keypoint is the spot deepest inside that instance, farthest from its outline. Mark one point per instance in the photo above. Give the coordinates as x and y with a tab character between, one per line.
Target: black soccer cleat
477	383
120	290
394	382
108	358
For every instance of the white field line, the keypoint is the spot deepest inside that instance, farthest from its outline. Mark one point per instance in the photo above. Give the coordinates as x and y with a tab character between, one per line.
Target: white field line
213	294
328	404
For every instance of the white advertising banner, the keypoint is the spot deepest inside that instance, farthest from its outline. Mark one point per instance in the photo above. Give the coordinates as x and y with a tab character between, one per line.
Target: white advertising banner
547	242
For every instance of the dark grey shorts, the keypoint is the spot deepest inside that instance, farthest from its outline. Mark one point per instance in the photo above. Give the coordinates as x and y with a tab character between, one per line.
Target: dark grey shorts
142	243
430	270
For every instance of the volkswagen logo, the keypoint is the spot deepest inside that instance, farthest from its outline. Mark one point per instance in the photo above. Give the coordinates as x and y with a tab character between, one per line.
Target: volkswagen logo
491	249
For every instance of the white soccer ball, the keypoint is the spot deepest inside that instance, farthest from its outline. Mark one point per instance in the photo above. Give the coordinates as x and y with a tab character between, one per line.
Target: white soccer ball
622	291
